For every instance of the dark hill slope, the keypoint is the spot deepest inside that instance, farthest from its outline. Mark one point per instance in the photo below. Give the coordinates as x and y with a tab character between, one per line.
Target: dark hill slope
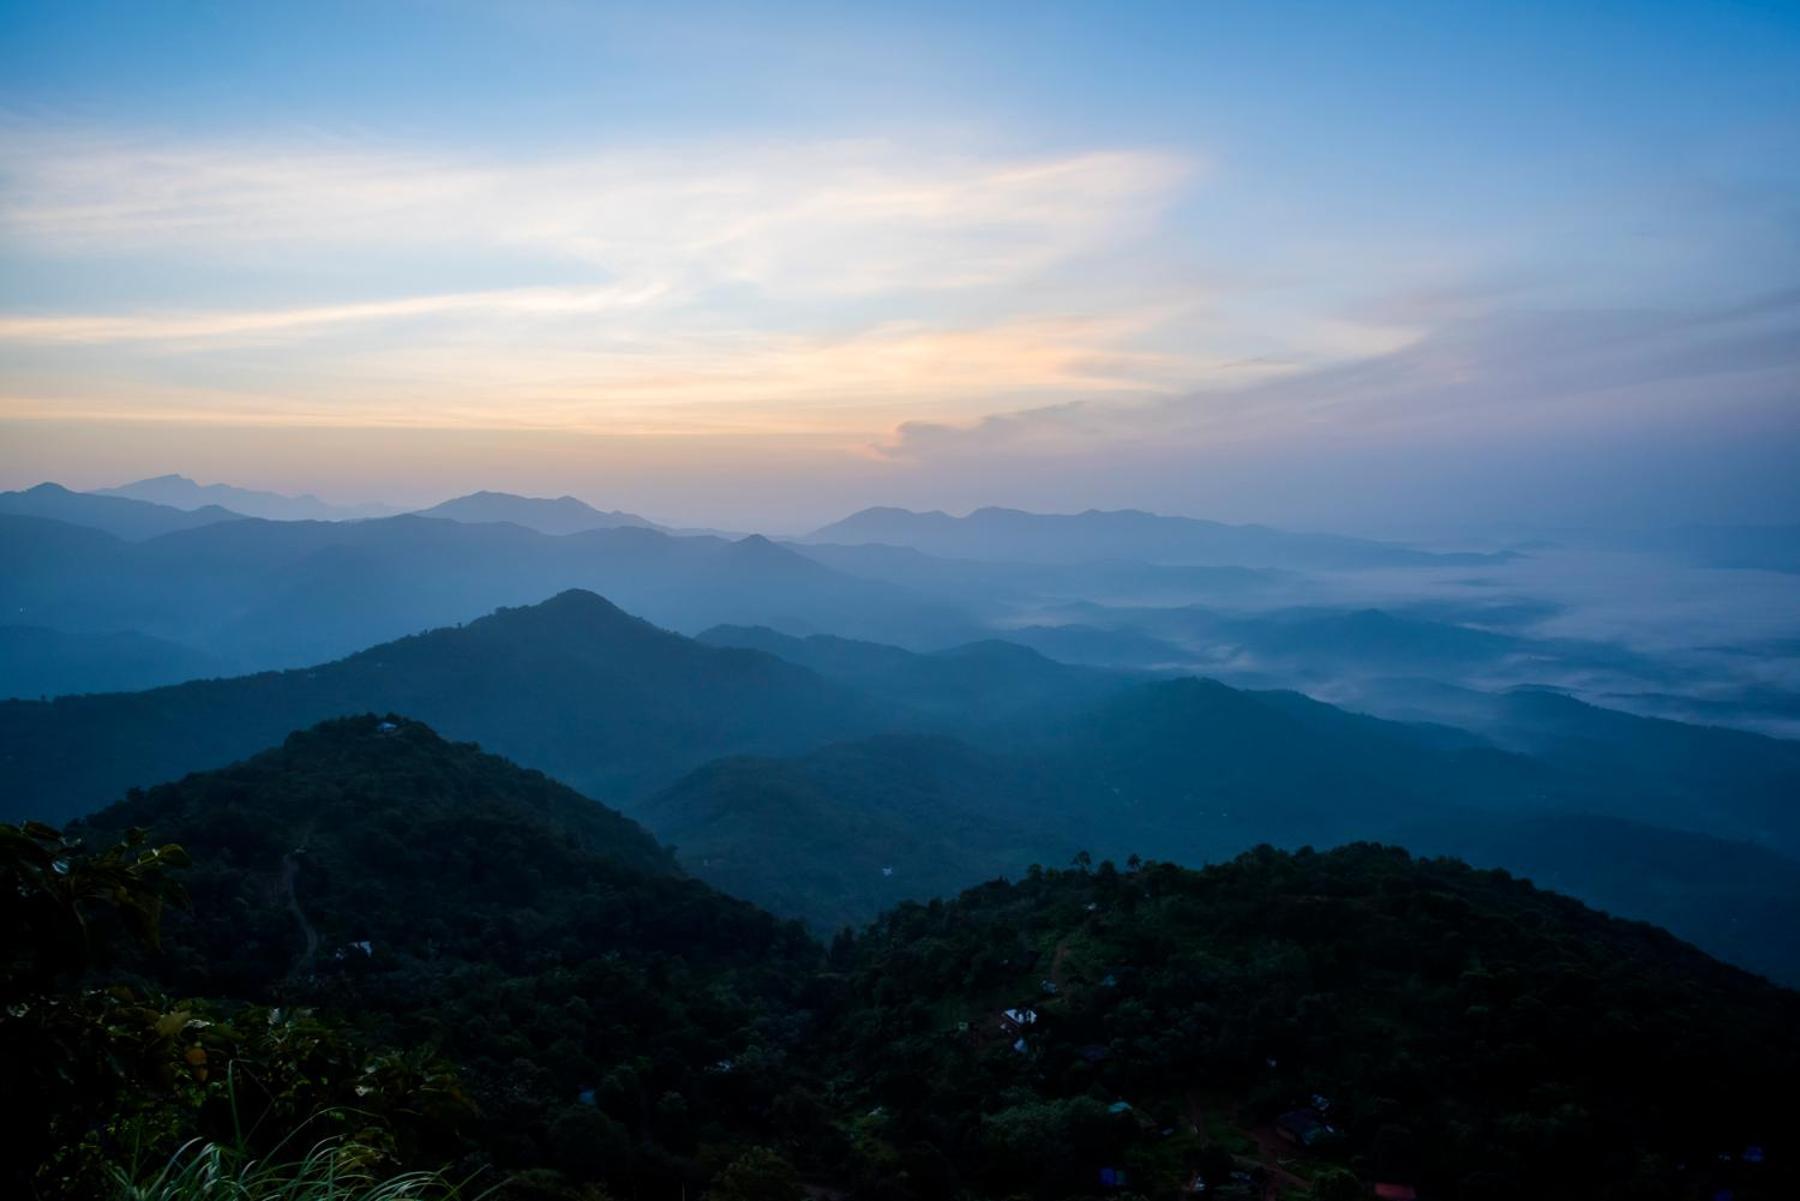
988	682
1188	770
1747	780
438	895
1471	1035
1191	771
1729	783
840	834
1735	900
573	686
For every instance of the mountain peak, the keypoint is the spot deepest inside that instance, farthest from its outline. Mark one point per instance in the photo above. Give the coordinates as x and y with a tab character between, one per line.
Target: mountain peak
572	612
582	601
998	650
547	515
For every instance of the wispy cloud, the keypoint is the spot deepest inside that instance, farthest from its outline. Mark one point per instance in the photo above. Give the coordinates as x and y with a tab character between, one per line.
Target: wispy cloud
190	328
638	381
834	285
832	218
1513	371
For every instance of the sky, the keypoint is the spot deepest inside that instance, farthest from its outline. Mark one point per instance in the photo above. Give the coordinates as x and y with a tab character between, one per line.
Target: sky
1355	266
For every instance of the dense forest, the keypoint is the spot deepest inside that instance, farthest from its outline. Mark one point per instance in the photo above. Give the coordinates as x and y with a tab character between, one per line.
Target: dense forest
373	933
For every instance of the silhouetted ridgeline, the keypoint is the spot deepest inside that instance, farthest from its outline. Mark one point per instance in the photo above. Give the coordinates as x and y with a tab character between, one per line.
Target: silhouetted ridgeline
574	686
270	594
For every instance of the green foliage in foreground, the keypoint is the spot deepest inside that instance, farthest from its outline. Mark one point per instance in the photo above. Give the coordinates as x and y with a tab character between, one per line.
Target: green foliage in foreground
329	1171
122	1075
1473	1035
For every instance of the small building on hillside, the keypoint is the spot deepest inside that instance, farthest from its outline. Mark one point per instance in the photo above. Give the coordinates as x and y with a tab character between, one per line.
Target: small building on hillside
1018	1019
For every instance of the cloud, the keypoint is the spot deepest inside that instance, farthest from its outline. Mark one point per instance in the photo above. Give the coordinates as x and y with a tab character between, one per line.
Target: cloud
1509	371
832	284
189	328
634	380
800	219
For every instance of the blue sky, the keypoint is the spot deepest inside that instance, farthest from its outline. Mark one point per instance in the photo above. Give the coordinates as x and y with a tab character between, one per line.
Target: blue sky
1312	263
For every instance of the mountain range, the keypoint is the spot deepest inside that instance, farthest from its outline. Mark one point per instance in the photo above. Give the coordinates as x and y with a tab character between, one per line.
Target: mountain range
180	492
263	594
605	701
799	784
132	520
562	515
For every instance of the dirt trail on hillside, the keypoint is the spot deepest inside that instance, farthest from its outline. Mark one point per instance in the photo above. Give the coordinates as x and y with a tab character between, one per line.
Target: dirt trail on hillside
290	869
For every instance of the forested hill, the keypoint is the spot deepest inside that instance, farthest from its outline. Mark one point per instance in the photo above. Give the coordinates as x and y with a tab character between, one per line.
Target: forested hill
377	830
1458	1031
438	896
603	700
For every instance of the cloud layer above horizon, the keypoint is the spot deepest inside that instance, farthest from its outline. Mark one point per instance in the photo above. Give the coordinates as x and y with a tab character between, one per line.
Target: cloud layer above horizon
902	284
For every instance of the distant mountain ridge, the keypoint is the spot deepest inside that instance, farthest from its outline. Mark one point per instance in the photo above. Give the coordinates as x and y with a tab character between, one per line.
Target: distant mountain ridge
546	515
122	517
1013	535
988	681
273	594
606	702
180	492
